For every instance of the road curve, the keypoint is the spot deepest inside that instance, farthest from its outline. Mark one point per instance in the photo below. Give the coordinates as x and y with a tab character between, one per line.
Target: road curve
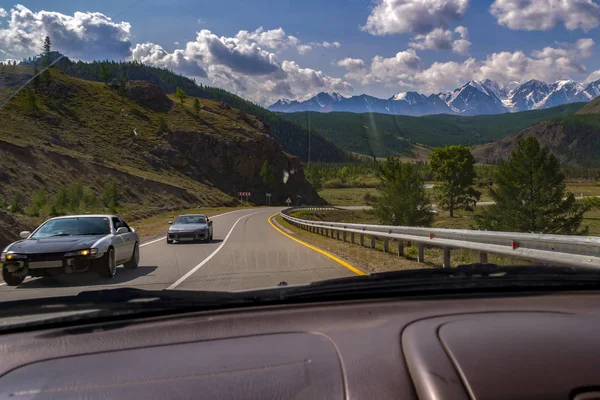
246	253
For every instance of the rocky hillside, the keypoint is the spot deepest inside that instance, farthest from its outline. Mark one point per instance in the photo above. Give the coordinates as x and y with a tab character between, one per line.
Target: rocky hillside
73	130
575	140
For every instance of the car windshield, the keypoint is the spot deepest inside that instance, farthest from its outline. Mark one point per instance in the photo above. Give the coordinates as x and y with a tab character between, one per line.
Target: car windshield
191	219
73	227
240	145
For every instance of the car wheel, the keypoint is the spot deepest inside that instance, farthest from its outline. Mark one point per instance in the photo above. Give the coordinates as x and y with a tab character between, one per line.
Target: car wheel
108	264
169	241
135	258
211	236
11	278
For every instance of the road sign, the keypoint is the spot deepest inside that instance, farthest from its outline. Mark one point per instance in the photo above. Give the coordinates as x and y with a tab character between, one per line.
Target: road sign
268	198
288	201
244	194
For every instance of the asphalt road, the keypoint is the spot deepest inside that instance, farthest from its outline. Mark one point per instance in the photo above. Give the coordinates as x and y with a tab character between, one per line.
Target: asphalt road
247	253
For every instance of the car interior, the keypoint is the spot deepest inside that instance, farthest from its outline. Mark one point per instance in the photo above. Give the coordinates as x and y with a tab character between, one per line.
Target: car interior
492	346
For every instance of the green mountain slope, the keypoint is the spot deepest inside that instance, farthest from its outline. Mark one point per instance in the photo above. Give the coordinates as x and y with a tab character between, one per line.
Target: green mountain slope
384	135
85	132
575	140
292	137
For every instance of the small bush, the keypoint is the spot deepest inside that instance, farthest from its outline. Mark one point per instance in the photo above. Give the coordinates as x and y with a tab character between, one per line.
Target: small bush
16	206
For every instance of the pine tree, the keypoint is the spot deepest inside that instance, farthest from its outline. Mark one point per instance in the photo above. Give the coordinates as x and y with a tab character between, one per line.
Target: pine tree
530	195
105	73
197	107
46	50
162	125
268	176
453	166
180	94
31	103
402	199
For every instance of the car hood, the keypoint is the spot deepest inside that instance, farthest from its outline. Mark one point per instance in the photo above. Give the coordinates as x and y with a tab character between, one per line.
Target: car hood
54	244
187	227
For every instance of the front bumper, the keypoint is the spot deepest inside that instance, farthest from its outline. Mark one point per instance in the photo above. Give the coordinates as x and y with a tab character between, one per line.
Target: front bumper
188	236
39	262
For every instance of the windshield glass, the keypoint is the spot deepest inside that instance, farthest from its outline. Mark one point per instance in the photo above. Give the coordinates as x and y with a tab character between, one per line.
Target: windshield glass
293	142
191	219
73	227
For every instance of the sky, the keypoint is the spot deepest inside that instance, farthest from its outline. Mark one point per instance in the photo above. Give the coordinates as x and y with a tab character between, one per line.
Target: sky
265	50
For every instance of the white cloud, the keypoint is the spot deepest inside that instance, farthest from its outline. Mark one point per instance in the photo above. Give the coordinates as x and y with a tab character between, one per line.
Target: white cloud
395	69
85	35
153	54
356	68
304	49
417	16
3	13
443	39
405	71
337	45
351	64
462	45
593	77
275	39
176	43
438	39
310	82
546	14
241	64
444	76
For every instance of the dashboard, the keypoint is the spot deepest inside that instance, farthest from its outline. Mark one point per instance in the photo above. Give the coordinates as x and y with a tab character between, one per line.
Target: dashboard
534	346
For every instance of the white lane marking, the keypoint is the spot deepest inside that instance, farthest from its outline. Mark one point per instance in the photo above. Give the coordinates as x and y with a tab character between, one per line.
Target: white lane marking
214	253
164	237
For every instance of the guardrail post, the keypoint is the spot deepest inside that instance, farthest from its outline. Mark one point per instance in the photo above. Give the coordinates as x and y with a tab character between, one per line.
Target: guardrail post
362	240
446	257
352	237
337	235
386	245
344	236
400	248
421	255
372	242
483	257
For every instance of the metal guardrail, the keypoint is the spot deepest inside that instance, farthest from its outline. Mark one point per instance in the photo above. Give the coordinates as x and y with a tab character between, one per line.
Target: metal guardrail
577	251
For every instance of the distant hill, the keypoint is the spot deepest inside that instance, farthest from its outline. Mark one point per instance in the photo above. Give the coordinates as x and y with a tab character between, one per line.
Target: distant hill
382	135
593	107
575	140
89	133
293	138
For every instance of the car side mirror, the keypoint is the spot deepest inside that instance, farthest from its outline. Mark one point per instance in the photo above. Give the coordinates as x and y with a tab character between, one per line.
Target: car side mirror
25	234
132	229
170	222
122	230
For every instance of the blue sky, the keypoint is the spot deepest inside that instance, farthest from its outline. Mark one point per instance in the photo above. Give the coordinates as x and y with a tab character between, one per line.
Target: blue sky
377	47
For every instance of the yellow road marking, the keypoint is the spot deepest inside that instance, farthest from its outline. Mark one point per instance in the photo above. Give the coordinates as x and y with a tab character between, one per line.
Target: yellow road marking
326	254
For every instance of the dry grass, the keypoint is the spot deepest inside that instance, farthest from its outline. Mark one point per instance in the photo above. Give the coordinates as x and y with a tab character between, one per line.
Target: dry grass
375	260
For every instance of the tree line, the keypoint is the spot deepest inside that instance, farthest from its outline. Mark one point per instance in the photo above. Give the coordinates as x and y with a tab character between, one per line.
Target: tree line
529	191
71	199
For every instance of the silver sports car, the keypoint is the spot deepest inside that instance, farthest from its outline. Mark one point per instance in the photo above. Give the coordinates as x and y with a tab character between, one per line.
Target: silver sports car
75	243
189	228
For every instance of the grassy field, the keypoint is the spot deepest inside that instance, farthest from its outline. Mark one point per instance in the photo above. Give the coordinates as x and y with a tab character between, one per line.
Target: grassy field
356	196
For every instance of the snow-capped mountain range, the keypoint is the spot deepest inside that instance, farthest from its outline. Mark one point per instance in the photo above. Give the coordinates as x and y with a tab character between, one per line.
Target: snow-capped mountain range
474	98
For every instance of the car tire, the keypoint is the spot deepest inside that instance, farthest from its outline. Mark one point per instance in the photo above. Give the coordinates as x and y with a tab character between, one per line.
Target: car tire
10	278
135	258
169	241
211	236
108	264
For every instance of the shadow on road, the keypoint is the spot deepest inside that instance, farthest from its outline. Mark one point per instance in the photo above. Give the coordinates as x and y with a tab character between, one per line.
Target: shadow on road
88	279
211	242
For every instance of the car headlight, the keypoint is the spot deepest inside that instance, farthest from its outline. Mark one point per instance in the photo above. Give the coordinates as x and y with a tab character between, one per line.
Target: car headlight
10	256
86	252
